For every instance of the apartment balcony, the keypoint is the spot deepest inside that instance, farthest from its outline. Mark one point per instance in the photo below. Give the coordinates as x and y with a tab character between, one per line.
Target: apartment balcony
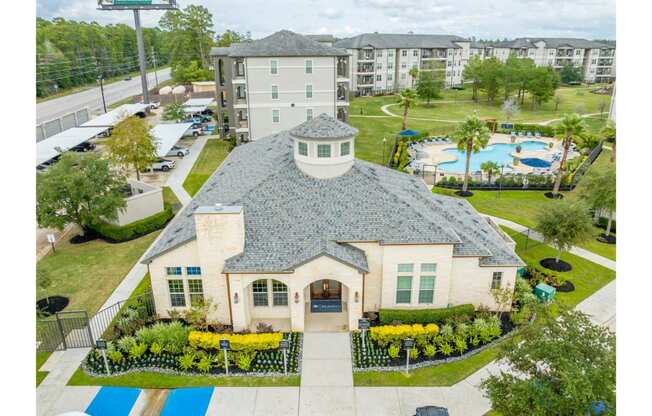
342	94
603	71
366	55
238	69
366	68
434	54
563	61
343	67
564	52
607	53
343	114
367	80
605	62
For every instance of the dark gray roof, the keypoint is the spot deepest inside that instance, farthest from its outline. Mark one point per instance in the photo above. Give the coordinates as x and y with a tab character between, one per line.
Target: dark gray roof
323	127
551	43
399	40
281	43
291	218
322	38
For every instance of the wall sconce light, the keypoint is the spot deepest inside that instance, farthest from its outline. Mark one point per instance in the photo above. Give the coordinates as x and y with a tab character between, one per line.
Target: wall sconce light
235	297
296	297
357	297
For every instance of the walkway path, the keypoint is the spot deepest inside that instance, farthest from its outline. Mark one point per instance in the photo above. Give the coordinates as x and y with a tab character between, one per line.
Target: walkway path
182	169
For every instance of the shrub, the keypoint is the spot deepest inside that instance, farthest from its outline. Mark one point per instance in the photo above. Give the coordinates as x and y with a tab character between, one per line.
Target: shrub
429	351
460	344
239	342
125	344
395	334
205	364
424	316
244	359
115	356
117	234
414	353
155	349
546	131
447	332
523	315
172	337
393	351
603	221
186	361
445	348
137	350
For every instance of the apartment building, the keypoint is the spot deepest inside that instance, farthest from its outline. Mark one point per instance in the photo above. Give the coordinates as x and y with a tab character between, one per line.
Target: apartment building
277	82
382	62
597	59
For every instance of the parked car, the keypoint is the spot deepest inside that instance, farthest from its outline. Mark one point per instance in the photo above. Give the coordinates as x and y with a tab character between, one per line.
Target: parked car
154	105
194	130
431	411
128	78
163	164
178	151
83	147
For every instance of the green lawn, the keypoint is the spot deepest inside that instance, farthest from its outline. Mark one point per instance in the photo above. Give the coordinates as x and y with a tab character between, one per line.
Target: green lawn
41	358
169	198
88	273
151	380
587	277
210	158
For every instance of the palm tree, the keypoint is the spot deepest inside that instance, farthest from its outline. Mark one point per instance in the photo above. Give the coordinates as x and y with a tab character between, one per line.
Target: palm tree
490	168
407	99
471	136
414	73
571	127
609	133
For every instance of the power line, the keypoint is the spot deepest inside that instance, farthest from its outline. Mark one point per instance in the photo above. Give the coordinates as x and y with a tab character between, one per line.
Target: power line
93	71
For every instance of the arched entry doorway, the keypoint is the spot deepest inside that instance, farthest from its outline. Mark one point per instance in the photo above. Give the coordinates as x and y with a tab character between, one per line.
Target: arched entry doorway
326	308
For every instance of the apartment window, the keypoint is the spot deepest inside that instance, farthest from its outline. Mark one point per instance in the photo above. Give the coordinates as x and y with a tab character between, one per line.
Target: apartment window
403	65
308	91
379	67
193	270
196	292
177	297
389	77
403	53
173	271
415	52
403	289
345	148
426	289
323	150
279	293
274	92
390	66
273	67
390	54
379	54
403	76
276	116
309	114
379	77
259	289
303	149
496	280
308	66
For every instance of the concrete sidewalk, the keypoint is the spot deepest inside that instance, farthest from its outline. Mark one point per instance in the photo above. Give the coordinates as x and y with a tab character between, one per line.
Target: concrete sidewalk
183	168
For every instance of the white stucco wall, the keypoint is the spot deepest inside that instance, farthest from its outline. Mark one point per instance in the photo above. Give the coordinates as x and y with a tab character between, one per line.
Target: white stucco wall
141	205
472	283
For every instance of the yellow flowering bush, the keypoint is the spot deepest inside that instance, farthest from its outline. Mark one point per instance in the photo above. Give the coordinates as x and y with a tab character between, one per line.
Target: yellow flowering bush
395	334
239	342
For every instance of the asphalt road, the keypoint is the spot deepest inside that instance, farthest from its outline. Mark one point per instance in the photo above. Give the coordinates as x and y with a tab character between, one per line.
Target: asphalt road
92	99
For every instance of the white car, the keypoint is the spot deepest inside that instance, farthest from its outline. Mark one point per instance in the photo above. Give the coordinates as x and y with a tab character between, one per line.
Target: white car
178	151
194	131
163	164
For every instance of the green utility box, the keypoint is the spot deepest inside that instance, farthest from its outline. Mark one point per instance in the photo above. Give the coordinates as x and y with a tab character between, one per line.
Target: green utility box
521	272
544	292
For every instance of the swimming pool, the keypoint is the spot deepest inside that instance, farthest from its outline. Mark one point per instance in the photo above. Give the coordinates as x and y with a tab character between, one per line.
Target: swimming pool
534	162
499	153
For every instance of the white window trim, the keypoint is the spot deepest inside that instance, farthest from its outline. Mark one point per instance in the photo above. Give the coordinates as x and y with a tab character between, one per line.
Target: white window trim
270	67
185	292
277	93
312	92
330	153
279	115
305	67
299	143
312	113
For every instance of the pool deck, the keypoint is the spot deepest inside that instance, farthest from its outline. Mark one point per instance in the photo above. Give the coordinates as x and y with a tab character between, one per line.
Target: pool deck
437	153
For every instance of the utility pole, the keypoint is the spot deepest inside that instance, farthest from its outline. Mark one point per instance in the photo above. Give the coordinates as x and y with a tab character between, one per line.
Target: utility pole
154	62
141	56
100	79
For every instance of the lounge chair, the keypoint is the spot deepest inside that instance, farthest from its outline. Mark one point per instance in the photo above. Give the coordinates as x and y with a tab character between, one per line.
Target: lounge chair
537	134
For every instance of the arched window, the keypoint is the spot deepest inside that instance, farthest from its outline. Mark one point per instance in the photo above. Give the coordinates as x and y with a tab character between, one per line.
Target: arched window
259	289
279	293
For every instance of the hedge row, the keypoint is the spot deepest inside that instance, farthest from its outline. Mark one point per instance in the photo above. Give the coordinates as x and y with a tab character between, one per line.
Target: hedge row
424	316
117	234
546	131
603	221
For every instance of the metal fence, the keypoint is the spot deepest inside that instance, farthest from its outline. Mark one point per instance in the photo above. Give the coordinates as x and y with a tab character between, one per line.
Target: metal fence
74	329
581	170
65	122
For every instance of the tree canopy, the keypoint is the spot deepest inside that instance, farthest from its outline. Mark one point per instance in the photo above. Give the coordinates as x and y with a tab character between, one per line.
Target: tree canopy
564	225
406	99
560	365
79	189
132	144
428	86
471	136
570	74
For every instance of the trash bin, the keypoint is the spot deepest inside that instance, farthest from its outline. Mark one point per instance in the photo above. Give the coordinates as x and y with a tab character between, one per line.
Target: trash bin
544	292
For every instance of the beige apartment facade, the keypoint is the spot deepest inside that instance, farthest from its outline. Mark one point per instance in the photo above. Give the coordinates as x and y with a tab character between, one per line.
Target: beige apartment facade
289	242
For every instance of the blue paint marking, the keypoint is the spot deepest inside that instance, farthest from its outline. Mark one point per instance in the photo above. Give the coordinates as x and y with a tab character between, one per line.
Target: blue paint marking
113	401
192	401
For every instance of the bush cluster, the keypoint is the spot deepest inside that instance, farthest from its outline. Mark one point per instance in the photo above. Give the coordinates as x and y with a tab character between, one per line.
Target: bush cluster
425	316
238	342
546	131
117	234
387	335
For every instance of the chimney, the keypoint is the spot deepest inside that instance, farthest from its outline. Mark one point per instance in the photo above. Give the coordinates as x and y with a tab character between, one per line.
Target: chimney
220	233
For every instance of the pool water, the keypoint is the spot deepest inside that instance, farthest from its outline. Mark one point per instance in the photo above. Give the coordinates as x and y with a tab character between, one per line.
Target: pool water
499	153
535	163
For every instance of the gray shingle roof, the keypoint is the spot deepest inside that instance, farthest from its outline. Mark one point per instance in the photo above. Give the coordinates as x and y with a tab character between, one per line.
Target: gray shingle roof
551	43
281	43
400	40
291	218
323	127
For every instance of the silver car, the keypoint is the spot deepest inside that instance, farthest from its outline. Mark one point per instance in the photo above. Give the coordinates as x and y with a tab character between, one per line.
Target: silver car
178	151
163	164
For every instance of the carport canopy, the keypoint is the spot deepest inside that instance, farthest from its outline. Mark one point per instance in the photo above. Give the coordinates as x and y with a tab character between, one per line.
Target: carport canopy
64	141
166	135
113	117
198	102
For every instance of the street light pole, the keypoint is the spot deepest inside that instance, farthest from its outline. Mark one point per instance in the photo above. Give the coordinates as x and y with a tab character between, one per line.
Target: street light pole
100	79
154	62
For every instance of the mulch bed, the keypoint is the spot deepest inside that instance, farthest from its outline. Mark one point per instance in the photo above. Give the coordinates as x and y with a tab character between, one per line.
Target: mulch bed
566	287
52	304
611	239
558	266
550	195
464	194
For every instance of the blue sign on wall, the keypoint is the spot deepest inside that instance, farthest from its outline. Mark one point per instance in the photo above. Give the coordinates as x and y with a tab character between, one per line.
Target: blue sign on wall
325	305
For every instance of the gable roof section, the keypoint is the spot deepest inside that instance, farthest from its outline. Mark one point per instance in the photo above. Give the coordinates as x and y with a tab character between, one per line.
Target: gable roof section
281	43
291	218
400	40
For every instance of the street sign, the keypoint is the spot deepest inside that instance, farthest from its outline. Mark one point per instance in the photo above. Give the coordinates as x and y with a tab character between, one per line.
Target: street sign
101	344
225	344
408	343
363	323
51	238
284	344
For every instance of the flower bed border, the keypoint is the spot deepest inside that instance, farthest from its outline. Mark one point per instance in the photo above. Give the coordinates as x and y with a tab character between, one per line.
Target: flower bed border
168	371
